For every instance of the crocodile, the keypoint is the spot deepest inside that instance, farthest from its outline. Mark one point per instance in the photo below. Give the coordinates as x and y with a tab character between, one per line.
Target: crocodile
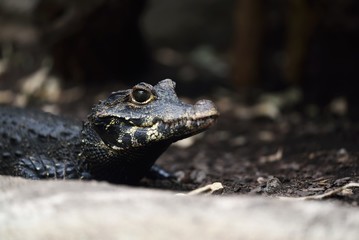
119	141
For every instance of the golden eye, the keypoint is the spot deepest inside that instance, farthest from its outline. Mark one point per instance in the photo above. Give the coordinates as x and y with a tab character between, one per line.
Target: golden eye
141	96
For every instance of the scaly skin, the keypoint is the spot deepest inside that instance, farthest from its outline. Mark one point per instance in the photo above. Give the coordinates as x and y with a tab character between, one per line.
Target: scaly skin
119	142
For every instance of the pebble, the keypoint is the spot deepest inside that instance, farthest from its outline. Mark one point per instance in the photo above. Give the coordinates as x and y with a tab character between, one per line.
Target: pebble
198	176
273	185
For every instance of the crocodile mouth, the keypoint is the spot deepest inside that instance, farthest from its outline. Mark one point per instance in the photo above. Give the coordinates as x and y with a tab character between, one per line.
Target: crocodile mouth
201	115
183	128
193	123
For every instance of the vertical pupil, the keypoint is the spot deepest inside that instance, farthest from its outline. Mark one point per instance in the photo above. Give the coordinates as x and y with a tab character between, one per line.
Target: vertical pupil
141	95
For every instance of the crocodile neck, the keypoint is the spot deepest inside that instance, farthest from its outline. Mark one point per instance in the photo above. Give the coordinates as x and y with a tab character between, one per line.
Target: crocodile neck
117	166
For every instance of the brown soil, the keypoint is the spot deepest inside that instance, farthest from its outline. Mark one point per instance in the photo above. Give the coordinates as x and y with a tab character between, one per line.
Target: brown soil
292	156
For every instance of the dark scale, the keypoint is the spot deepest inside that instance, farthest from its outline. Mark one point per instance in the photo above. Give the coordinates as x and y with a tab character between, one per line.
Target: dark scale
119	142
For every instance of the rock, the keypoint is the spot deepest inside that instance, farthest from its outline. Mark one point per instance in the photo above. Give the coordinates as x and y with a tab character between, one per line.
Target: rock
94	210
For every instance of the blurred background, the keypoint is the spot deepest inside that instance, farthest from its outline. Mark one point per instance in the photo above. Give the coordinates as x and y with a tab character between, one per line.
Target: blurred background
60	52
283	75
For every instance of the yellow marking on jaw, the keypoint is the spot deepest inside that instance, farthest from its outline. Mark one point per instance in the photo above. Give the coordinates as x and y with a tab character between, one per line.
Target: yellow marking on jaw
132	132
112	122
153	133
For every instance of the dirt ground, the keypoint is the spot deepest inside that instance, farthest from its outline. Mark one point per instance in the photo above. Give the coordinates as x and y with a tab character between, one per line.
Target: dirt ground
256	149
293	155
292	152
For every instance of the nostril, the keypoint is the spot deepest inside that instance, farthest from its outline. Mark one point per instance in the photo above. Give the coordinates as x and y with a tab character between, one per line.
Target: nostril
206	107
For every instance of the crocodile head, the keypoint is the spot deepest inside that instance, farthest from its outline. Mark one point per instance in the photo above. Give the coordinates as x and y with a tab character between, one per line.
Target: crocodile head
126	133
146	115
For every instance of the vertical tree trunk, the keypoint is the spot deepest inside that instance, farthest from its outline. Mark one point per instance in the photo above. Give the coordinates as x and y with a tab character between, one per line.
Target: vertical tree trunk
248	33
300	26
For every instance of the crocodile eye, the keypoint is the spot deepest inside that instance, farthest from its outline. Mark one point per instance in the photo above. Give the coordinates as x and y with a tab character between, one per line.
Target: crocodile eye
141	96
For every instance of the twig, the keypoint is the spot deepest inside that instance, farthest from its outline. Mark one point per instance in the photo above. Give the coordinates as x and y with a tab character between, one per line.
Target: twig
324	195
208	189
